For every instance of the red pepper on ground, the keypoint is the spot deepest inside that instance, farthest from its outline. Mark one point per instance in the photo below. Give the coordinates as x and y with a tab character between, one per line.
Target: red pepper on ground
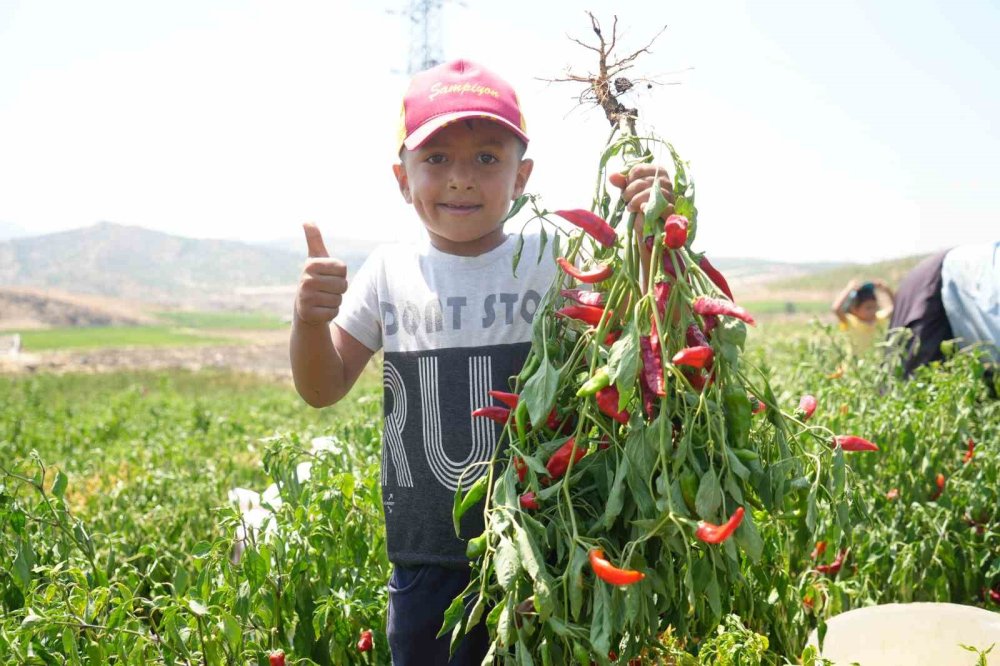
939	481
675	232
601	272
818	550
529	501
852	443
892	495
365	642
710	533
611	574
592	224
807	405
493	413
558	462
715	276
834	567
704	305
757	404
994	596
276	658
607	401
585	313
970	452
584	297
694	357
509	399
652	370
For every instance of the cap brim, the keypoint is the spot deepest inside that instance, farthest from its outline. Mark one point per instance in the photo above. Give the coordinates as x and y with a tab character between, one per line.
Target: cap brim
424	132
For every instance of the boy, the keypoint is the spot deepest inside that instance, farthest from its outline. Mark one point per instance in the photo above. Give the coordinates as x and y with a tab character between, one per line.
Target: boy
856	308
453	323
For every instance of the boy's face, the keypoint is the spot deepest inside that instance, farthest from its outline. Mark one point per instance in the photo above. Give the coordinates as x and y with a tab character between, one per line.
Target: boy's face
866	310
461	183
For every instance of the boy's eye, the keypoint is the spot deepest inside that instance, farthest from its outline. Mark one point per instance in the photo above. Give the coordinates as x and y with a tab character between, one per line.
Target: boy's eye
488	158
435	158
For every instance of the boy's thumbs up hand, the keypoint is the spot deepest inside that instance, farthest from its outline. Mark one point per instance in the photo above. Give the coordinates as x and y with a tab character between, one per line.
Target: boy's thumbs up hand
323	282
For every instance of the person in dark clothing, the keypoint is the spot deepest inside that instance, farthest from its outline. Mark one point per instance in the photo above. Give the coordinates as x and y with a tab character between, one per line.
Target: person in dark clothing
919	308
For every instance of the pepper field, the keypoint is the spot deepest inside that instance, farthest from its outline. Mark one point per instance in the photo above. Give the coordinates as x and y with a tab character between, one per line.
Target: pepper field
116	533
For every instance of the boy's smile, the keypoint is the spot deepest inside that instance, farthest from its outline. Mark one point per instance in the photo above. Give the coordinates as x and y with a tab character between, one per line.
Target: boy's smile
461	182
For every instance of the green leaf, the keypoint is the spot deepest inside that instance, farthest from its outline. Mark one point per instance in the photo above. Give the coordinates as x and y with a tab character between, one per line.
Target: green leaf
540	391
542	243
623	359
31	619
709	497
518	249
255	568
23	563
839	475
600	625
616	498
575	582
231	630
516	207
655	207
527	551
59	486
452	616
197	608
507	563
748	538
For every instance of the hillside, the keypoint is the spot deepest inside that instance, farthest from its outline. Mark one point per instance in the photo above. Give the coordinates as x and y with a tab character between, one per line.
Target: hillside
833	279
136	264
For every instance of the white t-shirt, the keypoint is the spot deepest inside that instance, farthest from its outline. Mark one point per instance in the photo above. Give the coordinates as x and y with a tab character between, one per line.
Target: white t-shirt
451	329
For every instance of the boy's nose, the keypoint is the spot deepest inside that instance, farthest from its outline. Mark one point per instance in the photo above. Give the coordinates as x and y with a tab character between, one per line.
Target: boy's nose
460	178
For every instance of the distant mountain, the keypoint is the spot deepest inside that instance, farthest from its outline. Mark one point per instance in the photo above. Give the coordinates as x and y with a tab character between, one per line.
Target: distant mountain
11	230
138	264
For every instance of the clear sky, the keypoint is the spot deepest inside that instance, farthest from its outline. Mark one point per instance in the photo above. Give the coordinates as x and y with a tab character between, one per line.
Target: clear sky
827	130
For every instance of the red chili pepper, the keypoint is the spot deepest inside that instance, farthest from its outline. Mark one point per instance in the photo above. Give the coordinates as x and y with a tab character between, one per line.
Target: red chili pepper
710	533
585	313
652	369
552	422
601	272
892	495
592	224
661	292
711	322
694	337
715	276
694	357
493	413
529	501
365	642
970	452
584	296
521	468
611	574
509	399
818	550
757	404
704	305
276	658
697	379
834	567
558	462
612	337
607	401
675	232
807	405
939	481
852	443
994	596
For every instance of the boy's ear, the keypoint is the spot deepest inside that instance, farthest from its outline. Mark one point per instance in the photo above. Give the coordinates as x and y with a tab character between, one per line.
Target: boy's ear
399	170
523	173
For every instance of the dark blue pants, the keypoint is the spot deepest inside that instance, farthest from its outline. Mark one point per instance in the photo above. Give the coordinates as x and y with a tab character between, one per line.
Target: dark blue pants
418	598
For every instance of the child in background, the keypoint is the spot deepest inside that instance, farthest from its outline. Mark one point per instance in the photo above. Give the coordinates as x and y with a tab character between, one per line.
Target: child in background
856	307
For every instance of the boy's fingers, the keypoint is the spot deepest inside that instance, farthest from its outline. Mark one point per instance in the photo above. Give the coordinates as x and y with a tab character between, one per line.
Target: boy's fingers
618	180
314	240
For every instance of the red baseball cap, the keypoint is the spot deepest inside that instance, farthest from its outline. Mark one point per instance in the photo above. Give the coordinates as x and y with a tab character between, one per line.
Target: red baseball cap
452	91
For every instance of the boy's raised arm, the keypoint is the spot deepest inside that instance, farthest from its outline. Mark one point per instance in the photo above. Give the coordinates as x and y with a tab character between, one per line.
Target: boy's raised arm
325	362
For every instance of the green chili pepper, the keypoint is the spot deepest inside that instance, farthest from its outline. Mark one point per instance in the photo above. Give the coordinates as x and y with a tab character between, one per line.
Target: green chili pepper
746	455
521	420
600	379
738	414
689	489
472	497
476	547
529	369
581	654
